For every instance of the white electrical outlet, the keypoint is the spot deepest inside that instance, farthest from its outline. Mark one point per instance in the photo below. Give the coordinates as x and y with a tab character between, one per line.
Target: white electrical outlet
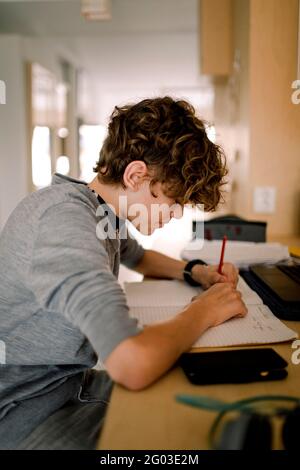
264	200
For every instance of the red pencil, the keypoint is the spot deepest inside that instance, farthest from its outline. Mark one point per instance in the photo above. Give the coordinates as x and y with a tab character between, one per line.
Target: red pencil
222	255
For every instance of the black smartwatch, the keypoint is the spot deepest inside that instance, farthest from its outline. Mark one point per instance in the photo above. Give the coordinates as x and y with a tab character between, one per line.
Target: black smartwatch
187	272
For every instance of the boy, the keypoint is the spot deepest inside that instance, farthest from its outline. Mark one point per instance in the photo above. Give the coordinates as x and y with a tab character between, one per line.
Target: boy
61	306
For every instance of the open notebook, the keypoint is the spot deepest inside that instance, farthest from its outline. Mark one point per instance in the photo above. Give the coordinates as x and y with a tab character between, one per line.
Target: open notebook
154	301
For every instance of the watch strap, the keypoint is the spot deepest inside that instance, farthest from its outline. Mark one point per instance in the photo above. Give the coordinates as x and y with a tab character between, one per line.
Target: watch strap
187	272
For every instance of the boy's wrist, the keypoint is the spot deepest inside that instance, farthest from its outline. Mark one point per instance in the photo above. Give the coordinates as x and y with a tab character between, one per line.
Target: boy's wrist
197	314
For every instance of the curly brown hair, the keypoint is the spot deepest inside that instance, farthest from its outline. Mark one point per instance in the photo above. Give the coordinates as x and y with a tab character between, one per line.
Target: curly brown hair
166	135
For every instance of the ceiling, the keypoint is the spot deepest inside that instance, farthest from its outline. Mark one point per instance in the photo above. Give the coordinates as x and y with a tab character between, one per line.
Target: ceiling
63	17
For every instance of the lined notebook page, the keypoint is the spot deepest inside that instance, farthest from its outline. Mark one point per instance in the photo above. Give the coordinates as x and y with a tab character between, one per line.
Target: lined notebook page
154	293
156	301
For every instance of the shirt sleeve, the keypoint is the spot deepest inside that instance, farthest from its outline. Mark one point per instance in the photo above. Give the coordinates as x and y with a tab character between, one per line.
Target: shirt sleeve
131	251
70	274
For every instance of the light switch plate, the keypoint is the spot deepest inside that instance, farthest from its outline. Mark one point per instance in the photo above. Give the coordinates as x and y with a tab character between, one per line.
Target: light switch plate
264	200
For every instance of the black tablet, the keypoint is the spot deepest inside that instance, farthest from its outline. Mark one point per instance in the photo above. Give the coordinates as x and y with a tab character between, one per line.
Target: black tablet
233	366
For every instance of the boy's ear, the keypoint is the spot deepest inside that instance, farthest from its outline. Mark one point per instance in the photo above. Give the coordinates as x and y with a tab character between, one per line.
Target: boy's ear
134	175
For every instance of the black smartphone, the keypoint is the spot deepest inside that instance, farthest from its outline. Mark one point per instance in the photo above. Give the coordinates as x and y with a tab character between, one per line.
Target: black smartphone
233	366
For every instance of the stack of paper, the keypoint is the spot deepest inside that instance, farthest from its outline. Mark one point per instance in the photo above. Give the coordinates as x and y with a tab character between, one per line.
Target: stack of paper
241	254
155	301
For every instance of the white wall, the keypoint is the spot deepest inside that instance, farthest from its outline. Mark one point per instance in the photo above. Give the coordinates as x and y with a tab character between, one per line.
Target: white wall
49	52
13	169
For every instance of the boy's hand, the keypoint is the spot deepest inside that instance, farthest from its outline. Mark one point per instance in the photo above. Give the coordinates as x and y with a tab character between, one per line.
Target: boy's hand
208	275
219	303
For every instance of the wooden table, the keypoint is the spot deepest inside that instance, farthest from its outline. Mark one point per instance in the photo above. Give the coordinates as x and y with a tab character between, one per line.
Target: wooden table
151	419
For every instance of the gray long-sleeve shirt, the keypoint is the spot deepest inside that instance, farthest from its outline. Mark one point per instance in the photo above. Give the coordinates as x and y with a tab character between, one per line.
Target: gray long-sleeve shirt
61	306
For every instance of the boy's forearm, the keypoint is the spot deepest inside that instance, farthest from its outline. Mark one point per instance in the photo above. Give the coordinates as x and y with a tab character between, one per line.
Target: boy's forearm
166	342
149	355
155	264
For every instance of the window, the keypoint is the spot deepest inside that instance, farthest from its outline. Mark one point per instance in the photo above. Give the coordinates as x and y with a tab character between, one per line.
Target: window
41	156
91	138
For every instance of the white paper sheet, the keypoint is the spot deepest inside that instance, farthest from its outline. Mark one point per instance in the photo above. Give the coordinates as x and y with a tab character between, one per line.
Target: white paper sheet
238	253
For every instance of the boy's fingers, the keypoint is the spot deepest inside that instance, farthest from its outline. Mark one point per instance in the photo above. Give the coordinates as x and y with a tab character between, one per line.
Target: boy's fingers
230	278
216	277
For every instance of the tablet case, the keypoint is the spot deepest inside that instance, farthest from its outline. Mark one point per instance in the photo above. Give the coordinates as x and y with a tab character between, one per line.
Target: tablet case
233	366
